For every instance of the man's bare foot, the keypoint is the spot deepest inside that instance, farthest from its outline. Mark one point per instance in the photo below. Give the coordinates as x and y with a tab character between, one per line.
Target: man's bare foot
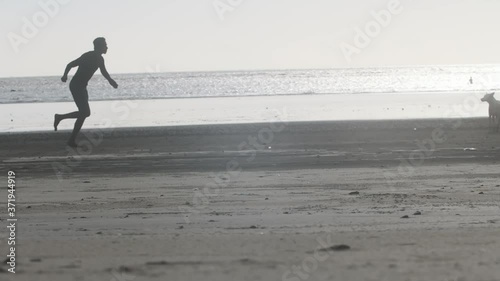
57	119
72	144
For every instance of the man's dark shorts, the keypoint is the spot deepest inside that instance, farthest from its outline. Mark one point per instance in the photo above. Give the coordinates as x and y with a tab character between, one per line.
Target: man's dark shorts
81	97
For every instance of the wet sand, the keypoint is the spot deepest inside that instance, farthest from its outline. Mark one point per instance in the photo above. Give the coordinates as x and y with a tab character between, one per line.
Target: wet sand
19	117
346	200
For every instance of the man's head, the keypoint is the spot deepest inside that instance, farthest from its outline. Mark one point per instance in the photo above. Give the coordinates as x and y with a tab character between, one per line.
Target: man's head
100	45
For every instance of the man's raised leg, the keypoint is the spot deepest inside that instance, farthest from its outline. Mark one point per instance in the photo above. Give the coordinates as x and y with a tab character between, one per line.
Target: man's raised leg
59	117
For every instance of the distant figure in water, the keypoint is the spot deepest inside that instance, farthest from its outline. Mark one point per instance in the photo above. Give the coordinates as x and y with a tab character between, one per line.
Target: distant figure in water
470	80
87	64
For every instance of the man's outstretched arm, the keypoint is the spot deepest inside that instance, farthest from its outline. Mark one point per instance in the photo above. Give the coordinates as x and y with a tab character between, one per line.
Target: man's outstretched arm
105	73
70	65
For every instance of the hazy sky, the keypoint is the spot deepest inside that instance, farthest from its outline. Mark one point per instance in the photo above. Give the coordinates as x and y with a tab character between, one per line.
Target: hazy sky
192	35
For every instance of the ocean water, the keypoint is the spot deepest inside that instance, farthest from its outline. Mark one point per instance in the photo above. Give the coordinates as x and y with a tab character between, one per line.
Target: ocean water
437	79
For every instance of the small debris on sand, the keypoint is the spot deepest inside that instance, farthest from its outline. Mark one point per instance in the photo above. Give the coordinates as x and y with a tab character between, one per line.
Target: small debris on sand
417	213
354	193
124	268
157	263
405	217
247	260
336	248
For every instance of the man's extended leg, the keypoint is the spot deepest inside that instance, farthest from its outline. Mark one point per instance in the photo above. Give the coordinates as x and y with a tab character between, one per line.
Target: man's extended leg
82	102
76	130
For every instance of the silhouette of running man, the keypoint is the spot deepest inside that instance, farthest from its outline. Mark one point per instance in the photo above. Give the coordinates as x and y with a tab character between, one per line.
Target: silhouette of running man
87	64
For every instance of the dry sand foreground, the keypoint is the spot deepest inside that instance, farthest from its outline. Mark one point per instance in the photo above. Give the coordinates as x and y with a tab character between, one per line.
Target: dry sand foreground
317	201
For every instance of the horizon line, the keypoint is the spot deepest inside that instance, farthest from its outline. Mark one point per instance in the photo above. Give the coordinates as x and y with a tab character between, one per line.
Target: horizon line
273	69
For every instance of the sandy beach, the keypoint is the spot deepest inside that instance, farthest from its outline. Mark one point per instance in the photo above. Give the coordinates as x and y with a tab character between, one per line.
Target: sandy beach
241	140
337	200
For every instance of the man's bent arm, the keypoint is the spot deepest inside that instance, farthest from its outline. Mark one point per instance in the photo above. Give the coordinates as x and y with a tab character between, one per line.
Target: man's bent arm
106	75
70	65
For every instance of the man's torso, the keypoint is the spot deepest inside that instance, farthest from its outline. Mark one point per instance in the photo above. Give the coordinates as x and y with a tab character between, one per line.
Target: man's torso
88	65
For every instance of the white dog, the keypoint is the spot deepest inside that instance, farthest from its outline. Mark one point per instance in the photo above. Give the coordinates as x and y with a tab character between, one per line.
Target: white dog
494	110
